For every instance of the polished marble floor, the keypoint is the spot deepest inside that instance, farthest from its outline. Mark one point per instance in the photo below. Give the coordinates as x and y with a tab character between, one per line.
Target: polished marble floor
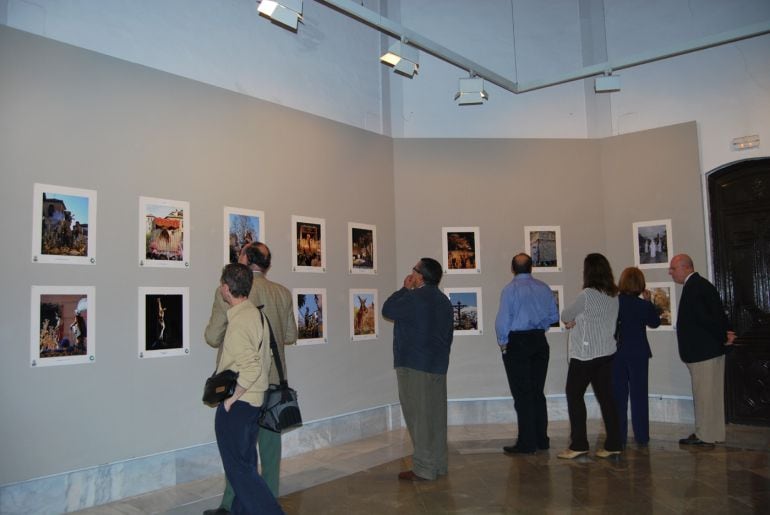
360	478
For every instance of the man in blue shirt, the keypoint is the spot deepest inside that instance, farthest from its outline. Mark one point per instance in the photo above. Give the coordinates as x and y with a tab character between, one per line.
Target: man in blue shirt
527	310
422	338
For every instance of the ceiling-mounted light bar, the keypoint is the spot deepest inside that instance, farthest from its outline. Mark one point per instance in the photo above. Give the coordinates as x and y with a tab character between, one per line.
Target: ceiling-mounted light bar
404	59
286	12
394	29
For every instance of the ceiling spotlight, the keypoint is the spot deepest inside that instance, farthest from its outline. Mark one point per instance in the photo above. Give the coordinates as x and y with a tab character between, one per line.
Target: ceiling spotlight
607	83
404	59
471	92
286	12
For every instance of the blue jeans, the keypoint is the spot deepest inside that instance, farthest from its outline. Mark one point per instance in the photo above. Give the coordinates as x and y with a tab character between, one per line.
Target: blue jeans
237	432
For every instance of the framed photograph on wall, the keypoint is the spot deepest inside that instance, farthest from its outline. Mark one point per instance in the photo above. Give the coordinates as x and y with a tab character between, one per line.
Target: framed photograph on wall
364	322
362	248
308	236
163	322
543	244
653	243
663	295
242	226
462	250
558	296
309	310
164	234
468	313
62	325
63	225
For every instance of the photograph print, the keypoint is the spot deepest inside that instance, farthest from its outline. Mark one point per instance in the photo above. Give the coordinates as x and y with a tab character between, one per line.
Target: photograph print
558	296
652	243
543	244
242	226
362	248
663	296
467	312
462	249
163	322
64	225
364	322
164	239
308	236
62	325
309	309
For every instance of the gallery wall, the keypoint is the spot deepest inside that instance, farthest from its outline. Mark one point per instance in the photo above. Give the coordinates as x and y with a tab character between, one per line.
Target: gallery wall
79	119
75	118
594	190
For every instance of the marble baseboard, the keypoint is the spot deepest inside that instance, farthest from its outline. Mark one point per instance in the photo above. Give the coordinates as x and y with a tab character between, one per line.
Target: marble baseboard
80	489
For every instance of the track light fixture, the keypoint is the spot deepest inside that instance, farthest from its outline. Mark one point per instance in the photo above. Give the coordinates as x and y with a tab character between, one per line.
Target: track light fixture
286	12
404	59
607	83
471	92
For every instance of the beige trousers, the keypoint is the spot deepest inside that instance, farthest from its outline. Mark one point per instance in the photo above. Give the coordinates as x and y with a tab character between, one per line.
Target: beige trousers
708	396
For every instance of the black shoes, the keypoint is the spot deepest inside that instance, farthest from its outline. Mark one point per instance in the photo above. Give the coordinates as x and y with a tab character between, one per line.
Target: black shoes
515	449
694	440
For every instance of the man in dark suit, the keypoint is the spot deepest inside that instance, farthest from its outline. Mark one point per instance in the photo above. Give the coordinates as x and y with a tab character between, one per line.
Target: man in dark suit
702	333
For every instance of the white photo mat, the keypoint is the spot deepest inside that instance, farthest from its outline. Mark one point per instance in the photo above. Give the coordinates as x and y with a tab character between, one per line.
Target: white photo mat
310	313
468	314
242	226
62	321
558	291
653	243
308	241
543	244
164	233
362	248
52	242
461	250
364	314
663	296
164	321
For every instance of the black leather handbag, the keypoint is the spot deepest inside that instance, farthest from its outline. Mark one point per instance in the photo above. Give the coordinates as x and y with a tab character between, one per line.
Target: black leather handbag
280	410
219	387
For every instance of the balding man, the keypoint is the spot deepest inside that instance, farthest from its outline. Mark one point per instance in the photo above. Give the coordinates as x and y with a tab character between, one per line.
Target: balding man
702	333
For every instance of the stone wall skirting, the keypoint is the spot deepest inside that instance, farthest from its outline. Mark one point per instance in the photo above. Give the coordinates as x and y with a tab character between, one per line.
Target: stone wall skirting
80	489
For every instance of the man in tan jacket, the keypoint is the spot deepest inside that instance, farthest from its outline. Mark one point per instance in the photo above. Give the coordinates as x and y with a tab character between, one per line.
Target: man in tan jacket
278	309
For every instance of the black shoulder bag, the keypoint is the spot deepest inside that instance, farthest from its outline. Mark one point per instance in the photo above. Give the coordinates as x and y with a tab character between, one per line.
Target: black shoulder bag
280	410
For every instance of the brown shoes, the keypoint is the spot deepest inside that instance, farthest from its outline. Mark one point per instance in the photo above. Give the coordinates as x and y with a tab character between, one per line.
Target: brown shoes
409	475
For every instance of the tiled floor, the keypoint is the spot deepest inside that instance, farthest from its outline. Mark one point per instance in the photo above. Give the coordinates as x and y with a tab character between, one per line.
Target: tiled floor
360	478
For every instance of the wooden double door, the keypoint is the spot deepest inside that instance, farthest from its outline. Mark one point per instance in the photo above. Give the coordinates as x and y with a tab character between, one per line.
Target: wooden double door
740	220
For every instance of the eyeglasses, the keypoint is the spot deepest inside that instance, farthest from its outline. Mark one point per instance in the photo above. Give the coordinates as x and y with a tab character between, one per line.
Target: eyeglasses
415	269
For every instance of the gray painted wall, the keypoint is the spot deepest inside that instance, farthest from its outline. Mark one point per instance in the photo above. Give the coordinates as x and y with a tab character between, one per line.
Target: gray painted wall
75	118
593	189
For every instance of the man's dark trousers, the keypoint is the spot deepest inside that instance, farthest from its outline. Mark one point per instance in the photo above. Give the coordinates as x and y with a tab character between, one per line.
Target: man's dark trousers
526	365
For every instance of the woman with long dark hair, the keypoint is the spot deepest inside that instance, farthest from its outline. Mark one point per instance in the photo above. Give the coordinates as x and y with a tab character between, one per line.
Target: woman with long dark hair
631	365
592	320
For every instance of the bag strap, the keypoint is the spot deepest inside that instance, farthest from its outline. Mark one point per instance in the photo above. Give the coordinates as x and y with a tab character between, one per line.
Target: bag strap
274	348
